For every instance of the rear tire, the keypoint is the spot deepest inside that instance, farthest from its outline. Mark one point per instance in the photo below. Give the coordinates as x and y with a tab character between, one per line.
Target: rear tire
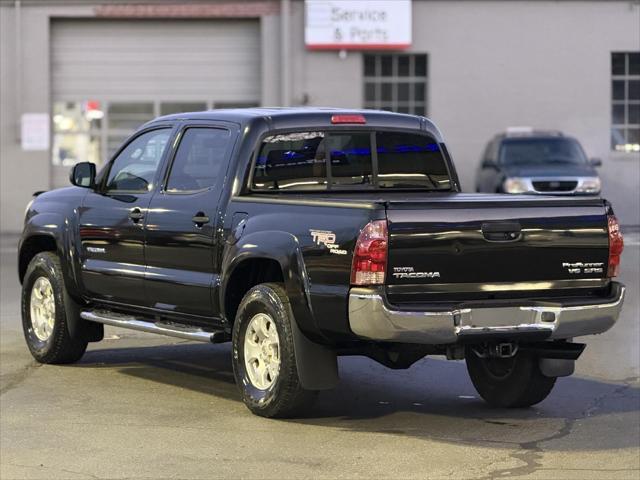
264	360
509	382
45	306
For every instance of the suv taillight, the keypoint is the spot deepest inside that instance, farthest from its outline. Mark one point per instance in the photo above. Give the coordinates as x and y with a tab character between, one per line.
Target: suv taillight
616	245
370	255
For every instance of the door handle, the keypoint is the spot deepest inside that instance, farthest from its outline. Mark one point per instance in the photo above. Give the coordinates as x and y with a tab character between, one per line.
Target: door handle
200	219
136	215
501	231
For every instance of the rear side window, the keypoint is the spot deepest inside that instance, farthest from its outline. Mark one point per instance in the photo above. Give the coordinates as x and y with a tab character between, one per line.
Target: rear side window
339	160
200	154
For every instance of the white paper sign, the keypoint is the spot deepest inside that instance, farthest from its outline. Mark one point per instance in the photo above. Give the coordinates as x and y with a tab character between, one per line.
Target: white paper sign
357	24
34	131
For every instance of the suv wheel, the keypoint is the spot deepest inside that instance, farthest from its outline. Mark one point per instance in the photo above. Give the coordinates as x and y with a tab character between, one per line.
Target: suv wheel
44	313
508	382
264	361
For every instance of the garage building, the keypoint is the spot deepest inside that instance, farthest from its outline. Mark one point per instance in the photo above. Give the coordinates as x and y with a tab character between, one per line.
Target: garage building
93	72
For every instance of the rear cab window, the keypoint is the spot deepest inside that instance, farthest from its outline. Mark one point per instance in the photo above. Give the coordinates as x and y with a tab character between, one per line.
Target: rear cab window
326	160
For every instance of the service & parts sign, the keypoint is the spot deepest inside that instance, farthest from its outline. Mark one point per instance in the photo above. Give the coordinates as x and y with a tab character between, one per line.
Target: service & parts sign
357	24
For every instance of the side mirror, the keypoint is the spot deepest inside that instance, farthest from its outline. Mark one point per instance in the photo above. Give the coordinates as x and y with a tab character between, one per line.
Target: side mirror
488	163
83	174
596	162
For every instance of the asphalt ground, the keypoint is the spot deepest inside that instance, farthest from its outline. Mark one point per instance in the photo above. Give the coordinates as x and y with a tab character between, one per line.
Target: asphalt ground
144	406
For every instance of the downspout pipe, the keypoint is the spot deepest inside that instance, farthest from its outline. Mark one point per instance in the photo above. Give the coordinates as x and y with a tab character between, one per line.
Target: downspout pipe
18	69
285	53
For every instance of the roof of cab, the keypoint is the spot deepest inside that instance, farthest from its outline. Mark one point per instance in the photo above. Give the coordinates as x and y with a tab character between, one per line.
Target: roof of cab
301	117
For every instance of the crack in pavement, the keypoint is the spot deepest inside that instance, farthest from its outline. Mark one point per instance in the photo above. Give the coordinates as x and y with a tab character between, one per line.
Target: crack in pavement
15	379
530	453
43	467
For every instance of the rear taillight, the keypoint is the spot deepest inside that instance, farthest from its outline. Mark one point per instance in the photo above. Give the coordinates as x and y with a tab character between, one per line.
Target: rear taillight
616	245
370	255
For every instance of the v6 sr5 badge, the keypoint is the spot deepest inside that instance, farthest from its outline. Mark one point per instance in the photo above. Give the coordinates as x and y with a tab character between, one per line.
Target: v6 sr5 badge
328	239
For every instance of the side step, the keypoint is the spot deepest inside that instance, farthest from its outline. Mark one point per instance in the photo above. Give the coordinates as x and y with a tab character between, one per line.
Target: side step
179	330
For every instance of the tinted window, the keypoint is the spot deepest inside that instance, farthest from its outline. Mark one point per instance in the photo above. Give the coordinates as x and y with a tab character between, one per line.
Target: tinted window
298	161
134	168
199	158
291	161
410	161
350	159
526	151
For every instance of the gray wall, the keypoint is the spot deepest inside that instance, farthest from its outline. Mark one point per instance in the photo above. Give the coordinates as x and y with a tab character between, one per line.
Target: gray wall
499	64
491	65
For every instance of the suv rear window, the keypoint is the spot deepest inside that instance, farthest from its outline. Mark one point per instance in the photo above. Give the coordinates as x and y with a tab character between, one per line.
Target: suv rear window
338	160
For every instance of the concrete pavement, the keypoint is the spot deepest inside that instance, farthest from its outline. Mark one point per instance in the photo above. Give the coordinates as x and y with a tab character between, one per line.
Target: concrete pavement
144	406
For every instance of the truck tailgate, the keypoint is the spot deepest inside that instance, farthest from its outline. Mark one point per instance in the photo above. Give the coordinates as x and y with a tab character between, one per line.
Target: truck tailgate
484	243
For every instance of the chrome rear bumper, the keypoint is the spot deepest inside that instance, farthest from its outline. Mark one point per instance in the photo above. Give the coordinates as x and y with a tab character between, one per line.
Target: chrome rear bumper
371	317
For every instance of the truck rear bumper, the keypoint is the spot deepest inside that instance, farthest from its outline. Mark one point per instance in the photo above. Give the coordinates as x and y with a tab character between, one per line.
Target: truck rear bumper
371	317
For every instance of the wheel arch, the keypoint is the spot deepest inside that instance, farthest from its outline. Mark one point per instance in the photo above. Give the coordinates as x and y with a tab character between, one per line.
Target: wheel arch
51	232
246	274
31	246
278	254
267	256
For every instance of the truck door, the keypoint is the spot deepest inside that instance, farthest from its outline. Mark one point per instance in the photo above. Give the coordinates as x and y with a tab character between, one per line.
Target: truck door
111	221
181	225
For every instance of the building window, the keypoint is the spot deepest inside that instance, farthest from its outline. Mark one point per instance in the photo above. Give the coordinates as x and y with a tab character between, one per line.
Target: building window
93	130
76	132
625	101
396	83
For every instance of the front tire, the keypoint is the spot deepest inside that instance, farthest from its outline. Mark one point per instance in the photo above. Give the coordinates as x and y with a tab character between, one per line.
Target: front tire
44	313
264	360
514	382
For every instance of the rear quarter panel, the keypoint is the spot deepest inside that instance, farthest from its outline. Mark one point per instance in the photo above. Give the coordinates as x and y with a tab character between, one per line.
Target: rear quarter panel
324	273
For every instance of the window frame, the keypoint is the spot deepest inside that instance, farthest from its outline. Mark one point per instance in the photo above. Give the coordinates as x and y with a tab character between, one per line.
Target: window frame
104	174
373	186
626	102
177	141
395	78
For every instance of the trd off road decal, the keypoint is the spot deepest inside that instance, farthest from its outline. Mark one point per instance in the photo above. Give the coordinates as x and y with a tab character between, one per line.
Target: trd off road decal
328	239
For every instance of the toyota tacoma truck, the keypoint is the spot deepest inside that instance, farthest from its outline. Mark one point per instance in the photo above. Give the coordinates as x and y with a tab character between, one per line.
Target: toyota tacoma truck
300	235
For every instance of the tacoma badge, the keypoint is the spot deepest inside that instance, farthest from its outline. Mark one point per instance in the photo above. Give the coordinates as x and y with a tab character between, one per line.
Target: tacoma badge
409	272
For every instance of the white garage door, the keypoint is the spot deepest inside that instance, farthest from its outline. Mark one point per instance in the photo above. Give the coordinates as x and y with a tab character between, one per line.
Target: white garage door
110	76
134	59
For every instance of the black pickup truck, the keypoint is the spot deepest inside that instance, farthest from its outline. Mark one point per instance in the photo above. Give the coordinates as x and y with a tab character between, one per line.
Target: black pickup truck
304	234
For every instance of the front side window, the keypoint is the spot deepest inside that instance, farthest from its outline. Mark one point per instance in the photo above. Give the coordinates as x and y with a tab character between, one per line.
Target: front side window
327	160
135	167
625	101
198	160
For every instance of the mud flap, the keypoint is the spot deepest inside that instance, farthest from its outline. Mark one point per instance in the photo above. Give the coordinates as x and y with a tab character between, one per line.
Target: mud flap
317	364
555	367
94	332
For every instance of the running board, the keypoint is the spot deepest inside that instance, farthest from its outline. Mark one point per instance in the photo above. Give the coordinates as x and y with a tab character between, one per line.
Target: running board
170	329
